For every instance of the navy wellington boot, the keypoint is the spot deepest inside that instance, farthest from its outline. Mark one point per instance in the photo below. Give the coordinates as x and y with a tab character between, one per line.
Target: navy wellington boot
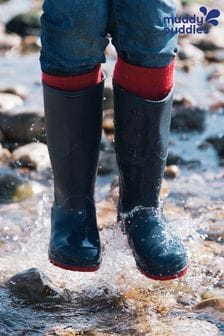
141	142
73	125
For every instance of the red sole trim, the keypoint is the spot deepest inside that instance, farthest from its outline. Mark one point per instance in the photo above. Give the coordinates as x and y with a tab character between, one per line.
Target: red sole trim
164	278
76	268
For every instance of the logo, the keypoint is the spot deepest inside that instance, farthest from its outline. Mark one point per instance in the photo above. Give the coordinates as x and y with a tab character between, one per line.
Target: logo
192	24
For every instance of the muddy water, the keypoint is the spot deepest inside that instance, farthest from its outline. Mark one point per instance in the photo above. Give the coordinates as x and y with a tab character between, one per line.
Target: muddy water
117	300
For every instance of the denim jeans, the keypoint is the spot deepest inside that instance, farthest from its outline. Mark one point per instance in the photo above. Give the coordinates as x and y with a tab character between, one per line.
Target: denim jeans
75	33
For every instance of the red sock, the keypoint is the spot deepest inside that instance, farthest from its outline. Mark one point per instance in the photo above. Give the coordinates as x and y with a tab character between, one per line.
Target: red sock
149	83
74	83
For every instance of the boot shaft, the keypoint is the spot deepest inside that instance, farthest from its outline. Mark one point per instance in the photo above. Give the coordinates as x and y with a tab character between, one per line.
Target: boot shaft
141	141
74	125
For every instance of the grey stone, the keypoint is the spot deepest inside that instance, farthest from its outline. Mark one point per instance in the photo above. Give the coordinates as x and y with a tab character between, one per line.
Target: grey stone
188	119
34	286
24	24
218	143
13	187
34	156
9	101
23	126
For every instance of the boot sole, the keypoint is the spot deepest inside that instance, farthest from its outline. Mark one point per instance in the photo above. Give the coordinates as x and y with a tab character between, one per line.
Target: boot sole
75	268
164	278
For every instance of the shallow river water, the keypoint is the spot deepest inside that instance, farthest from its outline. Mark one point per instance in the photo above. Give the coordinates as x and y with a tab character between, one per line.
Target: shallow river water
118	300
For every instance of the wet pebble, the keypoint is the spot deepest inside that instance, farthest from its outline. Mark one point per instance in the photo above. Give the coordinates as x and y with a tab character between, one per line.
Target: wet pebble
183	100
34	286
188	51
188	119
108	121
106	213
215	56
218	143
33	156
106	145
18	90
5	154
212	41
215	71
107	163
216	230
172	171
23	126
9	101
30	44
176	159
24	24
9	41
215	303
13	187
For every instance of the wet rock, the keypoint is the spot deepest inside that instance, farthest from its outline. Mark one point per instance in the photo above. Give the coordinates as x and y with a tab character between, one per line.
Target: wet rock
24	24
17	90
5	154
105	144
219	85
212	41
108	121
172	171
2	137
8	41
30	44
217	105
107	162
106	211
188	51
183	100
218	144
215	71
216	230
188	119
33	156
13	187
215	303
175	159
23	126
9	101
215	56
108	96
34	286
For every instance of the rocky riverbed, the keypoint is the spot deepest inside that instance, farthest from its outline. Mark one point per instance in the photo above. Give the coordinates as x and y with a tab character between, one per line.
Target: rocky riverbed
39	299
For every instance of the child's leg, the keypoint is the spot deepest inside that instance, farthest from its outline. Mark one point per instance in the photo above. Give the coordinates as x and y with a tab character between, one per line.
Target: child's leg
143	81
73	42
146	53
73	36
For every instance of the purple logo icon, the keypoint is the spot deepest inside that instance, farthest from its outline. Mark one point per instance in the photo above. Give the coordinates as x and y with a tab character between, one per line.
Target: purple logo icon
210	16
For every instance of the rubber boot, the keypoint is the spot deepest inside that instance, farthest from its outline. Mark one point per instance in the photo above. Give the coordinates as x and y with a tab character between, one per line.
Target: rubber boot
73	126
141	141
